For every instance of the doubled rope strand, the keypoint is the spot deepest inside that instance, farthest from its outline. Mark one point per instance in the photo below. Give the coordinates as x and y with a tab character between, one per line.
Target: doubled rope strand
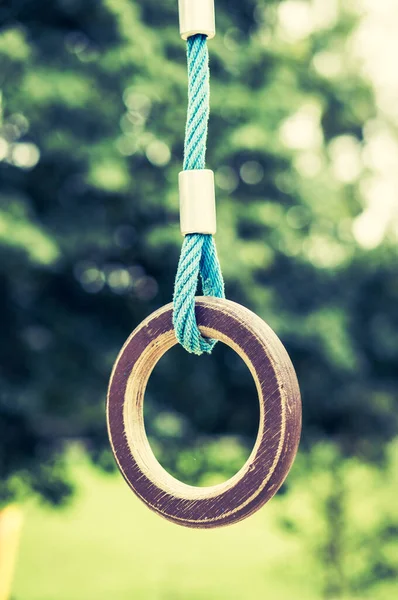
198	253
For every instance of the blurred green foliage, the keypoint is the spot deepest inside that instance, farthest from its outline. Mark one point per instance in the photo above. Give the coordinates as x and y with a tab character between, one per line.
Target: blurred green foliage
91	142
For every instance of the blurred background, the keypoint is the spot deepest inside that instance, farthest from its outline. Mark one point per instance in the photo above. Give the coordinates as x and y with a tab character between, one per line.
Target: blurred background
303	140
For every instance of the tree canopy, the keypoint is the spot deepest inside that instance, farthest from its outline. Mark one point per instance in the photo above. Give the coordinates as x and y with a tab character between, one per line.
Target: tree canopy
92	124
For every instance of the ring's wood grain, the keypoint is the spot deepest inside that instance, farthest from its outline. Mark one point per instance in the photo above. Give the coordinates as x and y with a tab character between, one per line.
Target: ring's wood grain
279	428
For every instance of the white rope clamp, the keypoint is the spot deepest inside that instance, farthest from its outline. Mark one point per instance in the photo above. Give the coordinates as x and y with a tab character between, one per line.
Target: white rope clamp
197	201
197	16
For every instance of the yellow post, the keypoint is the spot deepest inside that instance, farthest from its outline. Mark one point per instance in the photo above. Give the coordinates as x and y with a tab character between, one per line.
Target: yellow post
10	528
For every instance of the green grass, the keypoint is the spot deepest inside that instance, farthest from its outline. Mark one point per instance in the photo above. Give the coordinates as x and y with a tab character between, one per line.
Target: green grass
109	545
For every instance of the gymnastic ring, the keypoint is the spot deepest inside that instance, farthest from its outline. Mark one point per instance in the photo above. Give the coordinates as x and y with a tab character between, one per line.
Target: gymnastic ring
279	424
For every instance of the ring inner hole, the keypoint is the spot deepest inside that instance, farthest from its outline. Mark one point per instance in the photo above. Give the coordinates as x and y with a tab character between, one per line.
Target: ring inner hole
201	414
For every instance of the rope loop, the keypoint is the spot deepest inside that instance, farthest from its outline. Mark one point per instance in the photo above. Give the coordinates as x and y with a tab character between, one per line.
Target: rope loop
198	254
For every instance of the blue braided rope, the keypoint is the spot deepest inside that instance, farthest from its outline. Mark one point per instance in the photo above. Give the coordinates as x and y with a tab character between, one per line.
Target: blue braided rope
198	254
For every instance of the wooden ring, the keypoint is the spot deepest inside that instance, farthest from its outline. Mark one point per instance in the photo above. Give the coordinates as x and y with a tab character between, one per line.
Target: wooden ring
279	428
